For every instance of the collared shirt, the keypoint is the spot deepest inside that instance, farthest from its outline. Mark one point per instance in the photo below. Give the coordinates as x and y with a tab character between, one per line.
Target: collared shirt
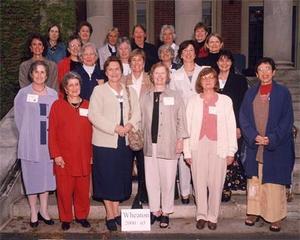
89	69
137	84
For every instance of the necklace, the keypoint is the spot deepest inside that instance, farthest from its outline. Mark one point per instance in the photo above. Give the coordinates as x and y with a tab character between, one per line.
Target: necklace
37	90
75	105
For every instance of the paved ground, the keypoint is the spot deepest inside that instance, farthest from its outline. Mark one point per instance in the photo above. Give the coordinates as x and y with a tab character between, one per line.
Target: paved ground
178	229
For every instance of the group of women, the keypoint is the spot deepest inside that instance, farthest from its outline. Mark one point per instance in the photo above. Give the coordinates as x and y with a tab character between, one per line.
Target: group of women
198	118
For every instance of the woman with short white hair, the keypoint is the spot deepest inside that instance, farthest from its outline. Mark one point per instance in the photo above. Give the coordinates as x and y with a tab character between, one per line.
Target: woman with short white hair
89	70
167	36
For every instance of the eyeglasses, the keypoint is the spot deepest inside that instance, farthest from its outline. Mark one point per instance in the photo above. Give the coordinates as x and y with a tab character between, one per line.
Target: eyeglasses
264	69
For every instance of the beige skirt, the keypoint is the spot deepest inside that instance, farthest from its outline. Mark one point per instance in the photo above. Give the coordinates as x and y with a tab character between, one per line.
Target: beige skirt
266	200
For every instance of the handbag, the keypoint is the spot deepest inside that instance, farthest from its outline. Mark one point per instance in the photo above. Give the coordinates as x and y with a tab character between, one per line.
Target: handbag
135	136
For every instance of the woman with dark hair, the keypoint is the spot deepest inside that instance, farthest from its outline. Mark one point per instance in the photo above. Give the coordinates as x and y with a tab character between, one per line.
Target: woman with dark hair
56	49
70	145
200	35
84	31
37	46
214	43
31	110
234	86
69	63
112	158
184	80
211	146
139	41
164	126
266	120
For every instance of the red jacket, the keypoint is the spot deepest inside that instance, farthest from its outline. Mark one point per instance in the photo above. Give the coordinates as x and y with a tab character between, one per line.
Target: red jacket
62	68
70	136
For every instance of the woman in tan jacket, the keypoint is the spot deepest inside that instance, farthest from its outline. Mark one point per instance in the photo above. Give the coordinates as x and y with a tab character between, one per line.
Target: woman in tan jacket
140	82
164	125
112	163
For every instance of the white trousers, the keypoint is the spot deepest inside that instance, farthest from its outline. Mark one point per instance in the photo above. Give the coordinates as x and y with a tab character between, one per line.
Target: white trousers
208	173
160	182
184	177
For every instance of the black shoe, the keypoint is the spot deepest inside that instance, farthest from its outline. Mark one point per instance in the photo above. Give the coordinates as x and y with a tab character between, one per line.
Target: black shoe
34	224
84	223
154	218
211	225
185	200
226	196
137	204
48	222
164	221
65	226
118	220
200	224
111	225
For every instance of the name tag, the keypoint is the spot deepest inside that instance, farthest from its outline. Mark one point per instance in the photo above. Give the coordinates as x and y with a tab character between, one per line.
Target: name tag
212	110
83	112
33	98
168	101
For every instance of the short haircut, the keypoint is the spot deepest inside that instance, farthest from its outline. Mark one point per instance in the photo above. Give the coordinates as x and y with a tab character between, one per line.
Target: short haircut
164	28
140	26
112	59
217	35
40	38
225	53
168	48
157	65
200	25
85	23
59	32
184	45
204	72
137	52
114	29
68	76
34	66
85	46
267	60
122	40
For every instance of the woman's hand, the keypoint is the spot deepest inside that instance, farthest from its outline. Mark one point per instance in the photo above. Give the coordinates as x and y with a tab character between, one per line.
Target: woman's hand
260	140
238	133
229	160
128	127
179	146
59	161
188	161
120	130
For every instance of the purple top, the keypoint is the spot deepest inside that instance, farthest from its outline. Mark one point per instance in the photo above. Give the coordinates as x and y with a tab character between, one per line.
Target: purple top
31	117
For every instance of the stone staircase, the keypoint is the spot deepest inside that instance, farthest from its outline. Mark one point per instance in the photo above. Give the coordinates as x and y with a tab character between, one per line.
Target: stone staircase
14	204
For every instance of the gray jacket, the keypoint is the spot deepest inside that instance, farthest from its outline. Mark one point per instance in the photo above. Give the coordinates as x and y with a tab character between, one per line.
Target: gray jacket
172	123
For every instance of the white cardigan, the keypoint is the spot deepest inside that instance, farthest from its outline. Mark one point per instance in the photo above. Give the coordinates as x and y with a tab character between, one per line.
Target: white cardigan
226	126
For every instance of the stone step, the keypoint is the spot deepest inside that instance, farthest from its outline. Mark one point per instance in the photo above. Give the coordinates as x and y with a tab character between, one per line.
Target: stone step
235	208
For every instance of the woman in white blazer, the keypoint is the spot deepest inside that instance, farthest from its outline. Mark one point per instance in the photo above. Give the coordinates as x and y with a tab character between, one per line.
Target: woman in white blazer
183	80
109	48
211	146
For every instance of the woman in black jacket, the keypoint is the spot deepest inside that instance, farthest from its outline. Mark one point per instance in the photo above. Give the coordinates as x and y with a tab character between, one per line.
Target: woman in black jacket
234	86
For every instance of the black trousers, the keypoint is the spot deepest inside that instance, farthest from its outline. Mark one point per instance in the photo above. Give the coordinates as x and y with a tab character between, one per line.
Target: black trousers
142	191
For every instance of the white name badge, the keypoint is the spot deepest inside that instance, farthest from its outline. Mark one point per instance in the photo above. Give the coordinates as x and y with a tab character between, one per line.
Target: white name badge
33	98
168	101
212	110
83	112
135	220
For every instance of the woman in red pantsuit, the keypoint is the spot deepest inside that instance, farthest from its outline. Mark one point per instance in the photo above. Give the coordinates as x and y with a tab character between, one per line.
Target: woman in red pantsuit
70	134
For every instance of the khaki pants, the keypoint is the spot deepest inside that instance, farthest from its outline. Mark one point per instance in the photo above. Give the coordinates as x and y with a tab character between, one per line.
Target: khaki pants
266	200
160	182
208	172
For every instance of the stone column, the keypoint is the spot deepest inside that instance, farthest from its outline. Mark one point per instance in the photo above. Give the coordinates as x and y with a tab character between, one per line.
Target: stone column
278	32
187	14
100	15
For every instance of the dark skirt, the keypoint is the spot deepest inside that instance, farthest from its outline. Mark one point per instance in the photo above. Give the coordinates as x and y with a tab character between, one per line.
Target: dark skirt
112	169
